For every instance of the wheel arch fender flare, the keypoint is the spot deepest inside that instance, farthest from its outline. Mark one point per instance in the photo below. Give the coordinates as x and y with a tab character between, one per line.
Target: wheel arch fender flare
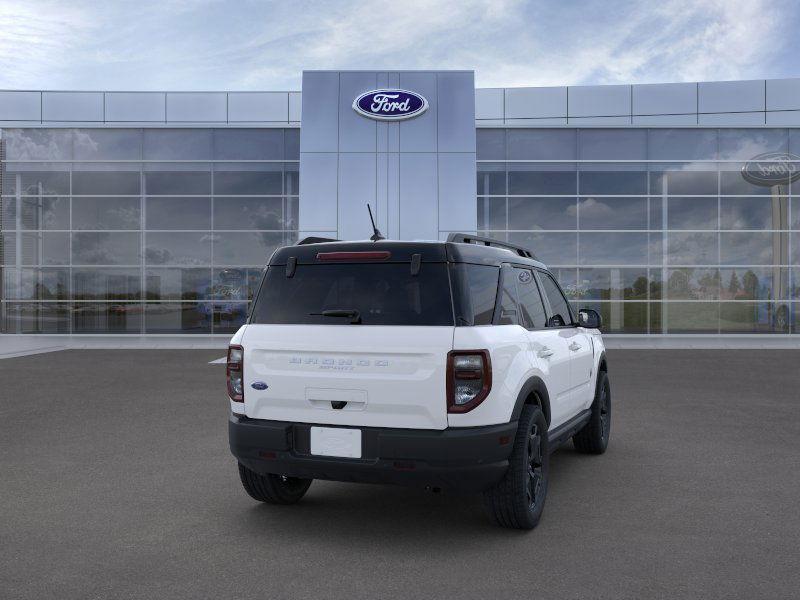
533	386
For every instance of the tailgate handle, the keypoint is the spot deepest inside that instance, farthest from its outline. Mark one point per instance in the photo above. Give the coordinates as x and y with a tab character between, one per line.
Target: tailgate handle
416	260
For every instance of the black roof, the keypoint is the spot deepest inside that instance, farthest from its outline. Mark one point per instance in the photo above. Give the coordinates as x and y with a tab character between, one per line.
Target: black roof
401	252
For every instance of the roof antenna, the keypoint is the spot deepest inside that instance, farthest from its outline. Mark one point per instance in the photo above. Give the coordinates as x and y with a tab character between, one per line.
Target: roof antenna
377	234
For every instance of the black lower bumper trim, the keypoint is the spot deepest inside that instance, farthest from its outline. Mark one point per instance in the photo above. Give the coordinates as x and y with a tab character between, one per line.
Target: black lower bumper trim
469	459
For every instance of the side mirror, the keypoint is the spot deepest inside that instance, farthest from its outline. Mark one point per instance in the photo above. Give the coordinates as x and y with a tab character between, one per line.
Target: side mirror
589	318
556	321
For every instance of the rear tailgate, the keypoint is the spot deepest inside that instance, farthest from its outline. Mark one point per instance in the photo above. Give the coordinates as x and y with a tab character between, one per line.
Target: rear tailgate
341	375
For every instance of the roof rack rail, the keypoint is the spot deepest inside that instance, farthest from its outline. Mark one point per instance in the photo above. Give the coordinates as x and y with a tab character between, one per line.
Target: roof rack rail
315	240
466	238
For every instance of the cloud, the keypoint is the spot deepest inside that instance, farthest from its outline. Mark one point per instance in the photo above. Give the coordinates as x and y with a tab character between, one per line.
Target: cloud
205	44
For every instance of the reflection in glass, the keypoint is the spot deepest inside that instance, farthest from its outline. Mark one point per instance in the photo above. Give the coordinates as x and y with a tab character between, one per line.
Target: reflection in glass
44	248
106	284
44	212
248	213
35	317
755	248
682	144
248	144
491	144
550	248
492	213
692	213
178	248
36	284
613	182
541	144
173	212
178	144
107	144
754	213
613	249
620	317
542	213
612	144
690	317
236	283
692	248
755	283
674	180
612	213
177	317
693	284
105	213
491	179
229	317
36	183
249	182
613	284
747	317
105	248
238	249
177	183
522	182
117	183
178	284
107	317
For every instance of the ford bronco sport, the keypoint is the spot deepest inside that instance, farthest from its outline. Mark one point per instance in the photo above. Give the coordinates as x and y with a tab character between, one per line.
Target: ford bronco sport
448	365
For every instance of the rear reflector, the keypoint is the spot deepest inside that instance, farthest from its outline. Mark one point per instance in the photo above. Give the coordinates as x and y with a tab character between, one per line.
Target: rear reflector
370	255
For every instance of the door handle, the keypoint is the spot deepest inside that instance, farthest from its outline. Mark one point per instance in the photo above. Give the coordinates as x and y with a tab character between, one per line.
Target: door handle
545	352
574	347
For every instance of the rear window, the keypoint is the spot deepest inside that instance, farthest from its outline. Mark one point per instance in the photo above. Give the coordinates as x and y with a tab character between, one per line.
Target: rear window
476	287
382	294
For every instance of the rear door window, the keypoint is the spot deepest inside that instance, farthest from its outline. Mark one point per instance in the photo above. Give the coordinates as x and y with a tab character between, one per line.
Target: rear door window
381	294
508	298
530	300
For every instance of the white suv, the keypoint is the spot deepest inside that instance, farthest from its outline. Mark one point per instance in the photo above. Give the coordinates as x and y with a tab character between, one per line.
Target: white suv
455	364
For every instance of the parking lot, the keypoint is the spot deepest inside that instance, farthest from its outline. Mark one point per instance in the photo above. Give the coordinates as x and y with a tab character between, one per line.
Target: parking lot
116	482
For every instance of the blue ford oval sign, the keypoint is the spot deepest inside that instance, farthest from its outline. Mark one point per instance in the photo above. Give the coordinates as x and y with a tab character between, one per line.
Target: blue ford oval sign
772	168
390	105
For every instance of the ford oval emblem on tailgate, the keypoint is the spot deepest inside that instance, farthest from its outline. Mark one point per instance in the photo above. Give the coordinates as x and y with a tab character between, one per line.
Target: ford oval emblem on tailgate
259	385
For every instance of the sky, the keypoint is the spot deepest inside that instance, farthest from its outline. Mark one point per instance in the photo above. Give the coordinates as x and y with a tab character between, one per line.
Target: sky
265	45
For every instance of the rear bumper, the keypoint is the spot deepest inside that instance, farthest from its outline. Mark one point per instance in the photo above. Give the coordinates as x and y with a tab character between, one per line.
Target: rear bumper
469	459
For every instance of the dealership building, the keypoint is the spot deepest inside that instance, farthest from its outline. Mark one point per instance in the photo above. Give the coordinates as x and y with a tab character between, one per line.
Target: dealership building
672	209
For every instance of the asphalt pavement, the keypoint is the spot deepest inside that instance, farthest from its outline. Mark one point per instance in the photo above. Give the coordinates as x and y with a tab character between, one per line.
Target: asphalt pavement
116	482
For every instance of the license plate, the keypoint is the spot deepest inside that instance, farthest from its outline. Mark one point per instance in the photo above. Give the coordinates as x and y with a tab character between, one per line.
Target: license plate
336	441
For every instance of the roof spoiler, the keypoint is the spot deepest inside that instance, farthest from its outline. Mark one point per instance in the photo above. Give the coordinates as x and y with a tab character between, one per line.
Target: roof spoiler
315	240
466	238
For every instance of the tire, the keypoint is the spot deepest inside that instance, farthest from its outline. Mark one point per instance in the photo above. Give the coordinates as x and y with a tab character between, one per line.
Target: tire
518	499
273	489
593	438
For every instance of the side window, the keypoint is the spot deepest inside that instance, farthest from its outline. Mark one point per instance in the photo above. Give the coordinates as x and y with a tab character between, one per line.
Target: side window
474	293
530	300
559	306
508	298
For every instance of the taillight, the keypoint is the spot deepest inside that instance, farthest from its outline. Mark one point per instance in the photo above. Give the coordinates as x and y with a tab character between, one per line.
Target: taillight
469	379
235	373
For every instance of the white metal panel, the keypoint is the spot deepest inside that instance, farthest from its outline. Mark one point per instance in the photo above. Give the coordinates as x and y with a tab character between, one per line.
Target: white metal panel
356	189
133	107
664	98
258	106
665	120
197	107
784	118
489	103
455	124
601	121
536	103
732	119
537	122
72	106
458	209
419	213
783	94
599	100
295	102
318	191
419	133
356	134
730	96
320	129
20	106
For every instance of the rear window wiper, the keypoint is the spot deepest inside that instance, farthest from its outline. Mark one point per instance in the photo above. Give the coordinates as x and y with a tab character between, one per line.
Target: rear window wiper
352	314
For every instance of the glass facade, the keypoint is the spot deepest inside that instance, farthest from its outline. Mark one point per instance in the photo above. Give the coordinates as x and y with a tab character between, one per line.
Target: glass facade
160	230
141	230
656	229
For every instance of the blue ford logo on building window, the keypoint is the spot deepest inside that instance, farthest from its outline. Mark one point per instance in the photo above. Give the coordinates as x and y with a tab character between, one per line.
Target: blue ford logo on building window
772	168
390	105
